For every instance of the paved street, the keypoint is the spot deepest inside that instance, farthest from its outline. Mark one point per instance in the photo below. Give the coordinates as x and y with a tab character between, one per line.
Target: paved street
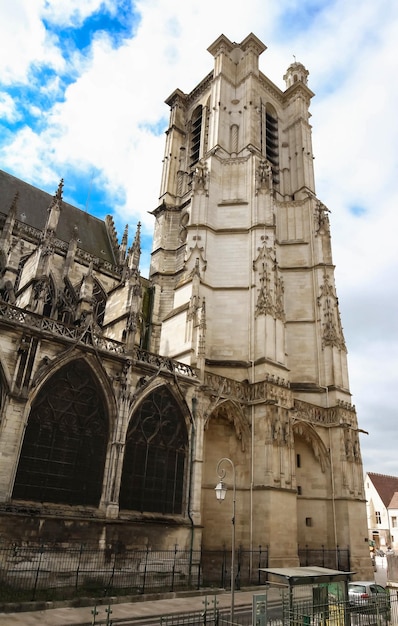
381	573
69	616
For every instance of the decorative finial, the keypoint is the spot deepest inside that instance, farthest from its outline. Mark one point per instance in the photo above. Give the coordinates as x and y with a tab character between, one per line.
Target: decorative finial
58	195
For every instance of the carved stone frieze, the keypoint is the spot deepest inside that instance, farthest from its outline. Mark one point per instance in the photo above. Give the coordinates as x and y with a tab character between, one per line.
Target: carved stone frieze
272	389
316	414
341	414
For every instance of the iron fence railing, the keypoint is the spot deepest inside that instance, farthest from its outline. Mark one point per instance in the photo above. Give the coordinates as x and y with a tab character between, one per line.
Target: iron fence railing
50	572
338	558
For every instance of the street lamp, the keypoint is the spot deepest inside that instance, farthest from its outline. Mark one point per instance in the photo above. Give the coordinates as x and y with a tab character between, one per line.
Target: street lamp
221	492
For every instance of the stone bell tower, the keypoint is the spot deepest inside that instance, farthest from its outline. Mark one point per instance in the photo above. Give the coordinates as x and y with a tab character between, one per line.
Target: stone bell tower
245	292
242	250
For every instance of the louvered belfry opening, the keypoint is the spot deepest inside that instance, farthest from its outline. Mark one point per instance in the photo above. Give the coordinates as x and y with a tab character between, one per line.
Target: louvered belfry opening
196	131
155	455
272	143
64	448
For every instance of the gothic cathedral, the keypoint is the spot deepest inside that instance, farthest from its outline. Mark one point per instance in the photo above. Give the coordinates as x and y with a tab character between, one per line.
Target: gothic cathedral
120	395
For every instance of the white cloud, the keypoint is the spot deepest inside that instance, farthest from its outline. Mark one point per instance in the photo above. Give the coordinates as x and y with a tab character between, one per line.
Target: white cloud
24	41
8	110
74	12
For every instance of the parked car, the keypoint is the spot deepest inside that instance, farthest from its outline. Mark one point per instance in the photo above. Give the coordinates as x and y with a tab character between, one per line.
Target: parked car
368	595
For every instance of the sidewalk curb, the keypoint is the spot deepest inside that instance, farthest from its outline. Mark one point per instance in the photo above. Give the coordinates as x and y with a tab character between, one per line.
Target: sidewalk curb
76	603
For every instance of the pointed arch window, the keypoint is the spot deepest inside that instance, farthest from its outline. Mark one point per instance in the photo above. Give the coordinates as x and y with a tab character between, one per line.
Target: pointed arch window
64	448
155	457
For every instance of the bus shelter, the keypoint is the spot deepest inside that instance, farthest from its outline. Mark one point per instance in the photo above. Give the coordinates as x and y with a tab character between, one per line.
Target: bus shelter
310	595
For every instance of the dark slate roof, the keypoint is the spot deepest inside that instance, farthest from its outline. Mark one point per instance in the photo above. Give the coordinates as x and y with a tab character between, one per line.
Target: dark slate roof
385	486
32	208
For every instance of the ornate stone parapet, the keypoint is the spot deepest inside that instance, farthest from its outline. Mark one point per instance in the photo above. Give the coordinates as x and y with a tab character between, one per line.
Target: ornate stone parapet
339	415
272	389
88	336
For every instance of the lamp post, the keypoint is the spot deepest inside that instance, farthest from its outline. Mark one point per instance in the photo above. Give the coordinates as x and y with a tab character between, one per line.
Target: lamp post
221	492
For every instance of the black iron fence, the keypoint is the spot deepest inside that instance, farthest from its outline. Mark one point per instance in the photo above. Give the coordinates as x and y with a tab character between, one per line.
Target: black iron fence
51	572
29	573
338	558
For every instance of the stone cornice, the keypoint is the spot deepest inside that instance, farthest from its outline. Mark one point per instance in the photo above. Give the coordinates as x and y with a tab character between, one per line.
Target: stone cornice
203	86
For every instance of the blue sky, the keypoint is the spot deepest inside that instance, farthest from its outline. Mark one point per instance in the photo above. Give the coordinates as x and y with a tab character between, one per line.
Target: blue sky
82	90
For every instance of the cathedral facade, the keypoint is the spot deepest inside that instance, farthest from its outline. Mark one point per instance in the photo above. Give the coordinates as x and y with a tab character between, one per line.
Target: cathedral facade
120	394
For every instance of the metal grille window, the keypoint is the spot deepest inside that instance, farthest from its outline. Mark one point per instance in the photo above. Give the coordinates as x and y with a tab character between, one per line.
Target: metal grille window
155	453
64	448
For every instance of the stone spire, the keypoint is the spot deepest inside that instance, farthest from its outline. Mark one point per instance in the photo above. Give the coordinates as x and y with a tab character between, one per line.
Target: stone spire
70	255
123	245
54	210
6	235
135	250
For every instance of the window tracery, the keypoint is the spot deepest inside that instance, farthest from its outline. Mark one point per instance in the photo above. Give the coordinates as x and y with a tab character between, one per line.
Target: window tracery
155	454
63	453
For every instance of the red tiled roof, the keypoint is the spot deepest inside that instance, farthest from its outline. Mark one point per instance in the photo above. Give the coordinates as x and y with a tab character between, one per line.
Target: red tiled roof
386	486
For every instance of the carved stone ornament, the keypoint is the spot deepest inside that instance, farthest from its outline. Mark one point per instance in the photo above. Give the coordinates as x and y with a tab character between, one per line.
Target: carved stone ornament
200	177
321	215
270	290
264	176
332	331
